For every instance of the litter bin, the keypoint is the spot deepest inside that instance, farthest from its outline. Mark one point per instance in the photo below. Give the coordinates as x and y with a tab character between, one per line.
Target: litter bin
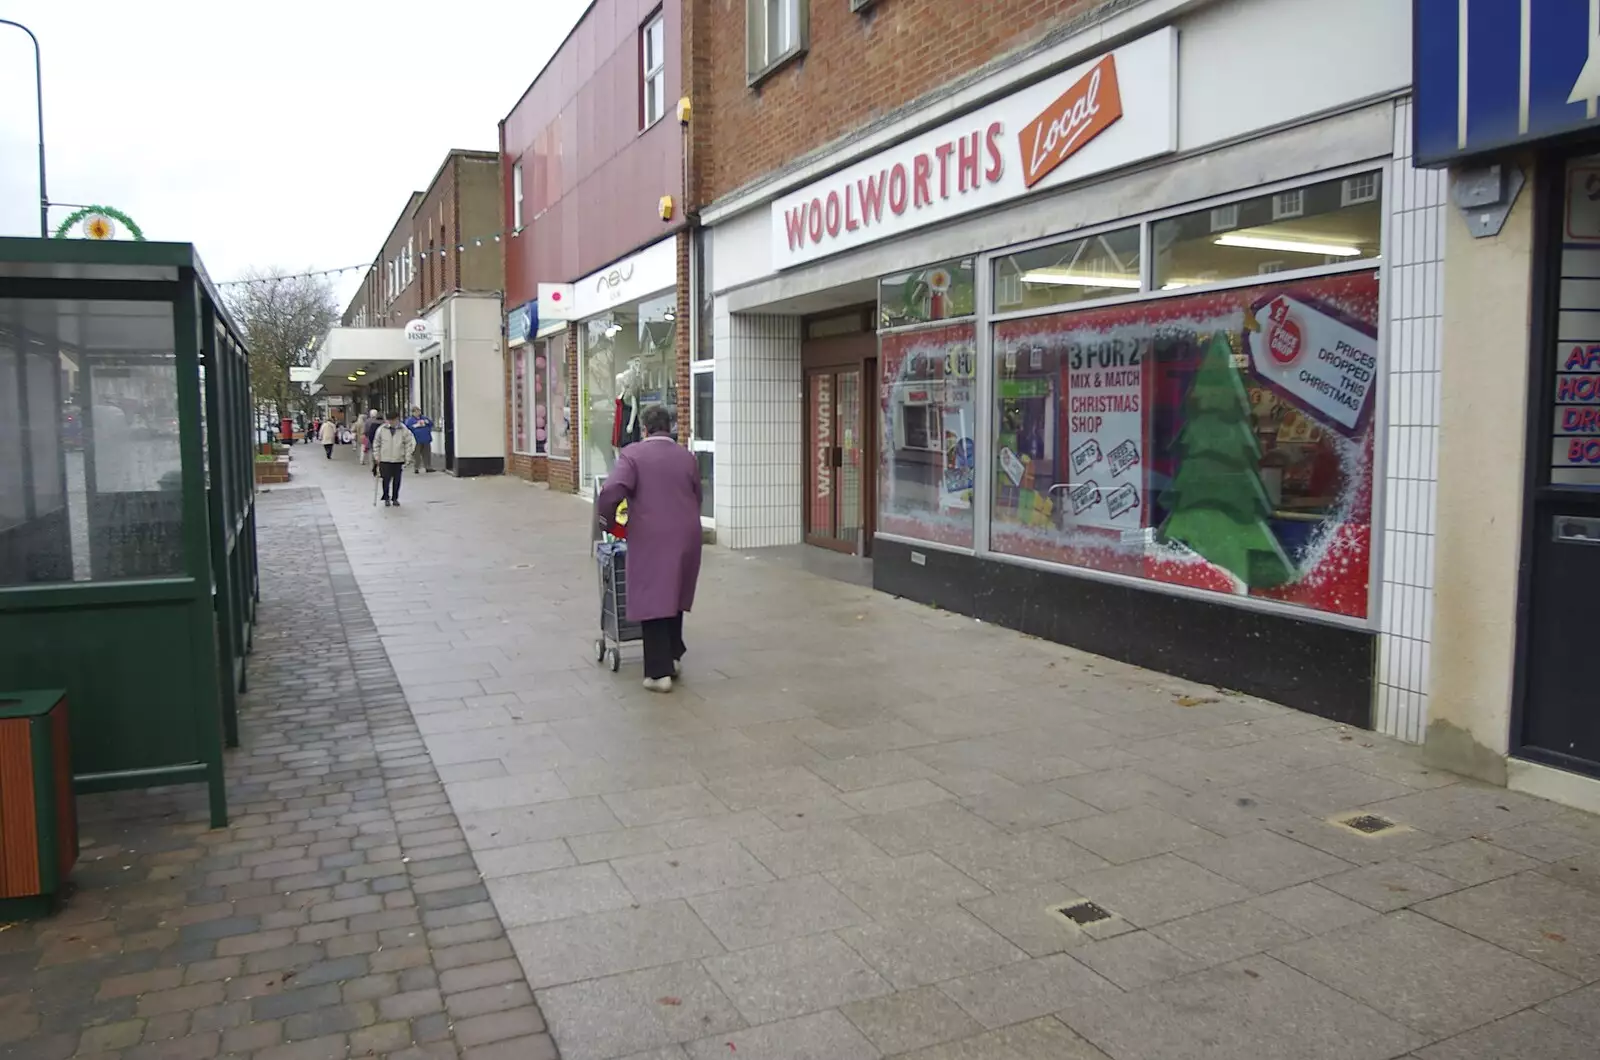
38	814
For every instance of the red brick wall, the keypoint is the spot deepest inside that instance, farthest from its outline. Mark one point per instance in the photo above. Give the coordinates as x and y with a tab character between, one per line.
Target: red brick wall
563	474
680	342
858	67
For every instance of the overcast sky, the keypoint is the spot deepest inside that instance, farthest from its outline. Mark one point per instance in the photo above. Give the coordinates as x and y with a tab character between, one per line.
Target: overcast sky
268	134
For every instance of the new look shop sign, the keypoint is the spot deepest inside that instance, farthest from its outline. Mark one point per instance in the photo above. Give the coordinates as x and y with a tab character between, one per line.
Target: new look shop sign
1114	110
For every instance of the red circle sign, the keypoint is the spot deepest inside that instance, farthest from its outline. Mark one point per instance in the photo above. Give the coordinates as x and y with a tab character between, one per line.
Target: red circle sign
1285	341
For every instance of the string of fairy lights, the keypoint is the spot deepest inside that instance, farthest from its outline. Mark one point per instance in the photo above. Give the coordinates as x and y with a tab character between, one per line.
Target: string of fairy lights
461	247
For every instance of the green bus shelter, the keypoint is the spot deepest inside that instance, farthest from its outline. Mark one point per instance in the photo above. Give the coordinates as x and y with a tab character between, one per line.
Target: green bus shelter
128	571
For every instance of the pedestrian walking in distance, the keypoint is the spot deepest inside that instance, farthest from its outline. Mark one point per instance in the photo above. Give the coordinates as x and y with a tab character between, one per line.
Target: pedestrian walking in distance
422	430
369	426
327	436
392	446
660	480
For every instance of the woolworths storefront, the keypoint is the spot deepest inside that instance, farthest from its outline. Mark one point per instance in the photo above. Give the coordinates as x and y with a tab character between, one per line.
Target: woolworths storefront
1121	348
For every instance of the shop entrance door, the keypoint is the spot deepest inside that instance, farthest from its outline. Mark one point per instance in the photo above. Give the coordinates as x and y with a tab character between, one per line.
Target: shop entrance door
838	472
1560	706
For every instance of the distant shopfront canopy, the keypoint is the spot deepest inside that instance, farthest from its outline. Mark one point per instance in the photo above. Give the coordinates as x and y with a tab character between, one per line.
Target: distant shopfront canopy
520	324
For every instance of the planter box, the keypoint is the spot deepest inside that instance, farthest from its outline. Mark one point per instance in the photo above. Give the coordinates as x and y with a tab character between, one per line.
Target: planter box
272	472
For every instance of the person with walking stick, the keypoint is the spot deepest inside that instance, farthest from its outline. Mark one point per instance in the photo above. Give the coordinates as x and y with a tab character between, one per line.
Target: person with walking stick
392	447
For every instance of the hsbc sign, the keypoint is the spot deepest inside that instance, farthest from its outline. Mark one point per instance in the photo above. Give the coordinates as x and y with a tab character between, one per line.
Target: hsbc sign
1114	110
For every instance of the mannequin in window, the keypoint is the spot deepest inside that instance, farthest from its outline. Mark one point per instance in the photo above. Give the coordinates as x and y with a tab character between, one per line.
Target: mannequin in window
630	383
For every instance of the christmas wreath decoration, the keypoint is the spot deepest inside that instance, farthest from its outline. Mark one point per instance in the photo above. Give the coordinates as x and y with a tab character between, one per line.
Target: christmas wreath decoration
108	211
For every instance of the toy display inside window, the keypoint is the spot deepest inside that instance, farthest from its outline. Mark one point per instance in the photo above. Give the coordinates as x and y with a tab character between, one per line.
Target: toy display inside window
927	446
945	291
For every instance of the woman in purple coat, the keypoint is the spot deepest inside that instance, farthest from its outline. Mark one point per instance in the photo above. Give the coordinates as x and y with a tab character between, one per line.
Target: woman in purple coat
661	483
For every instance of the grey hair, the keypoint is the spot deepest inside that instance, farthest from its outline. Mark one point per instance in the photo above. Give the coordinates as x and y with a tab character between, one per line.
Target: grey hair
655	420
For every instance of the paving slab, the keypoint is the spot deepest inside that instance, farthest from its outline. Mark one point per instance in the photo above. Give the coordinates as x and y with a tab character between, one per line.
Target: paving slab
623	1014
1532	914
825	1034
1428	975
1265	861
911	1019
795	977
1041	1039
1523	1036
1254	1009
1158	889
930	948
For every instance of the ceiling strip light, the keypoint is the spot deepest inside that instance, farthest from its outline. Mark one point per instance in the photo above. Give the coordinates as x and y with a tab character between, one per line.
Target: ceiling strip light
1293	246
1066	279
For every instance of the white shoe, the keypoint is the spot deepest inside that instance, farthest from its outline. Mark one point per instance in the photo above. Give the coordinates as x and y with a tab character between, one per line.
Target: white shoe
658	684
677	668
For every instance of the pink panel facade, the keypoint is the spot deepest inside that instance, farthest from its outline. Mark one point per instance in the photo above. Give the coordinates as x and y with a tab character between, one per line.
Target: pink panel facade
592	178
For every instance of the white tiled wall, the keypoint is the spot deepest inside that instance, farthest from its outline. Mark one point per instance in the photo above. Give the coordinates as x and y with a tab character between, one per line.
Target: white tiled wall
1417	215
757	422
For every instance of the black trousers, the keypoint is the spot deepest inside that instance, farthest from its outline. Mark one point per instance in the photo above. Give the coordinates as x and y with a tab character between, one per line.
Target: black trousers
329	448
390	473
663	644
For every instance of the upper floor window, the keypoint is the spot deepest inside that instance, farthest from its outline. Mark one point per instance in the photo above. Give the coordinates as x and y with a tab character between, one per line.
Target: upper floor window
516	196
653	68
775	30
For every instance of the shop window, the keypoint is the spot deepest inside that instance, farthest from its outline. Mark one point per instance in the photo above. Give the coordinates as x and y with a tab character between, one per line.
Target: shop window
707	462
628	364
1208	440
519	400
1080	270
539	395
1338	222
558	419
653	69
927	441
775	31
937	292
704	407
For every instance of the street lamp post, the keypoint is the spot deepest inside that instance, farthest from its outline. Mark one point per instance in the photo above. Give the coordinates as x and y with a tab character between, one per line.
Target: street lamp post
38	85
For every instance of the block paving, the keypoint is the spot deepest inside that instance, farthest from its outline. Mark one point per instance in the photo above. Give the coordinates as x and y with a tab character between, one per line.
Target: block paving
340	915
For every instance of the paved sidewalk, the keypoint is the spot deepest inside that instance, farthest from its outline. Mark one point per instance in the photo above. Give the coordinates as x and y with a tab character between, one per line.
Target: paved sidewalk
340	915
844	835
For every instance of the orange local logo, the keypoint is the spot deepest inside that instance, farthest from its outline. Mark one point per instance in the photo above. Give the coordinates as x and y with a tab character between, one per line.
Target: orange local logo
1066	126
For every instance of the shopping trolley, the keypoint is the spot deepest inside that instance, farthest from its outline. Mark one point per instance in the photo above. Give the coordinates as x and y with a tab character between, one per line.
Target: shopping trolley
611	555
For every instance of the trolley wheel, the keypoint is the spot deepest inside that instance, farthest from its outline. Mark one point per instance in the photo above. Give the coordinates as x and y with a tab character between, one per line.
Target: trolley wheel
616	660
600	650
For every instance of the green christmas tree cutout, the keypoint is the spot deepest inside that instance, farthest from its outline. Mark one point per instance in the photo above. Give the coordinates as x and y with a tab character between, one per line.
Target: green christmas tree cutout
1216	502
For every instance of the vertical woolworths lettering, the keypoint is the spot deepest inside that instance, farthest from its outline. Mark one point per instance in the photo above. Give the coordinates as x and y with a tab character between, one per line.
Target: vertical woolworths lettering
1216	502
